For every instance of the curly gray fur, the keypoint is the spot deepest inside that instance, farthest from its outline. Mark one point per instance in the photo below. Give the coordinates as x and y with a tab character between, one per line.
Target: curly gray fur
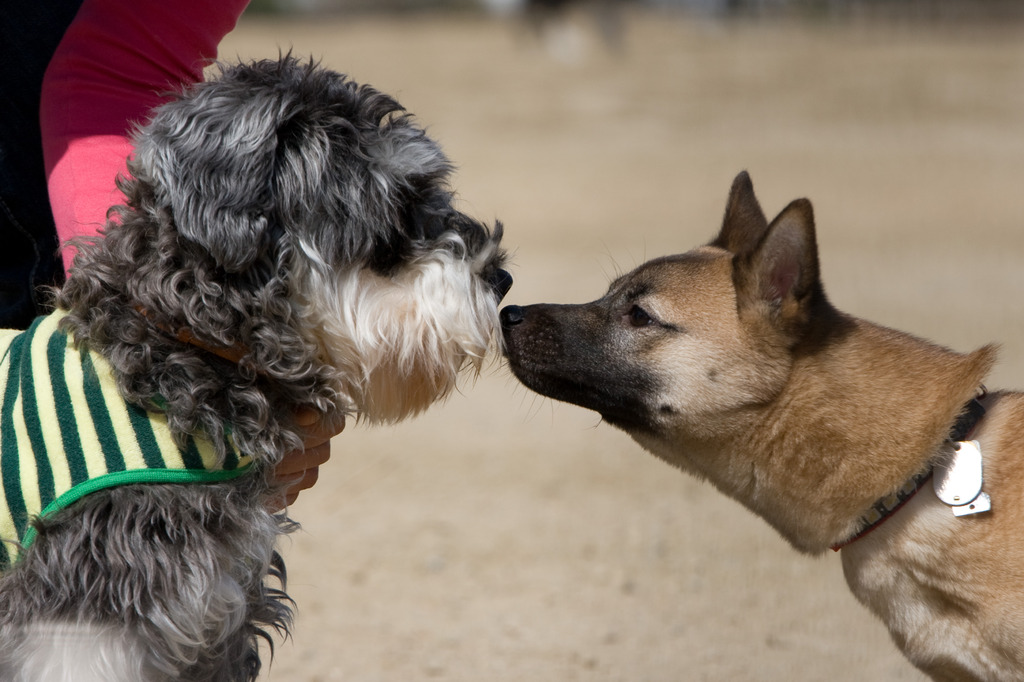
179	570
273	171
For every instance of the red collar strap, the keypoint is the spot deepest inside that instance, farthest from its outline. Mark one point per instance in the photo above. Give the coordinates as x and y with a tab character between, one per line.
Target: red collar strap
887	506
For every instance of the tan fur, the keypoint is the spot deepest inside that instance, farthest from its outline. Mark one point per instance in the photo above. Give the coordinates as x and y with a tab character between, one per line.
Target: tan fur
748	377
951	590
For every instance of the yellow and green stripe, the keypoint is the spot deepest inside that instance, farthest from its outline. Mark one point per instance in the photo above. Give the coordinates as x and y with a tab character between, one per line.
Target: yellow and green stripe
65	432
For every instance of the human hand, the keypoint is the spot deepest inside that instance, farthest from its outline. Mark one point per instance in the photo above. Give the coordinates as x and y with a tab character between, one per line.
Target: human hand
299	469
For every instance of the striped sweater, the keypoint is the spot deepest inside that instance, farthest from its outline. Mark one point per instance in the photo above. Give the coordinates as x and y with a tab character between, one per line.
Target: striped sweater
65	432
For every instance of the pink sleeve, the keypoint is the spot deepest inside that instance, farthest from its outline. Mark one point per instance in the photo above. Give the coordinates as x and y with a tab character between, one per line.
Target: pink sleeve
118	59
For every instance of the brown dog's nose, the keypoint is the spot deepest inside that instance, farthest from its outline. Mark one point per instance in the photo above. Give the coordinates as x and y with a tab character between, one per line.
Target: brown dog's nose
511	315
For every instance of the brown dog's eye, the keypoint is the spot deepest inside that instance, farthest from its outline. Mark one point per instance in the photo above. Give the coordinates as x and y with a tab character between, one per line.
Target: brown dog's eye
638	317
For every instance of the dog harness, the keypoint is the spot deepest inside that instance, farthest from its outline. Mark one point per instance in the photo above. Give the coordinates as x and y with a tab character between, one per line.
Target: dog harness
65	432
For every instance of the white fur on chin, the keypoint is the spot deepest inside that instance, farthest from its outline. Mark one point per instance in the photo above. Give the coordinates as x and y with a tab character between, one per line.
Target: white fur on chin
400	341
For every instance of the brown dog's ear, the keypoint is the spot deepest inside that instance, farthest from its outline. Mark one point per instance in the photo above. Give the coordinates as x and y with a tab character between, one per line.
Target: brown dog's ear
782	270
744	223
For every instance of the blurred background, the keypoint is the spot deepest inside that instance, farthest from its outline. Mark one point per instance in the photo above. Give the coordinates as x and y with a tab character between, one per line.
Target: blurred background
987	10
505	537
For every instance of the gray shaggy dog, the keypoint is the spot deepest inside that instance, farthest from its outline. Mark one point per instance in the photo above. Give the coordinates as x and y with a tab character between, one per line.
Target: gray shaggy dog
289	241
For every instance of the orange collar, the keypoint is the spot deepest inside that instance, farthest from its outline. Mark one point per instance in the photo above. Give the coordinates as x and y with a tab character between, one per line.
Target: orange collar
233	353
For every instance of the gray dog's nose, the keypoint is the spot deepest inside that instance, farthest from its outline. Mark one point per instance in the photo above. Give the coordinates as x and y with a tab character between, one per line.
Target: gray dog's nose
511	315
501	282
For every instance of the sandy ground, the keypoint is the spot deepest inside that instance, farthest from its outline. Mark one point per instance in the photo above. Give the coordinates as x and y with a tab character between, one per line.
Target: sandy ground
503	537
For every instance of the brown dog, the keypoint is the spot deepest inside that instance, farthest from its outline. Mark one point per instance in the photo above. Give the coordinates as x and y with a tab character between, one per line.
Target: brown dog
729	362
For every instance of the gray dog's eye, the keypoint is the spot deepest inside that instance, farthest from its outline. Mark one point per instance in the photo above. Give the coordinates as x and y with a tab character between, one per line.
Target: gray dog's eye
638	317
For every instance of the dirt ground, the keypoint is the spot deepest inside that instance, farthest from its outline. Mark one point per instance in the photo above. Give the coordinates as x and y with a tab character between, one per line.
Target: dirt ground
504	537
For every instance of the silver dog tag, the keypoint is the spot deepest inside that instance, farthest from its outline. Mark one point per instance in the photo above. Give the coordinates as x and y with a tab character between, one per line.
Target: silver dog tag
957	477
981	503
